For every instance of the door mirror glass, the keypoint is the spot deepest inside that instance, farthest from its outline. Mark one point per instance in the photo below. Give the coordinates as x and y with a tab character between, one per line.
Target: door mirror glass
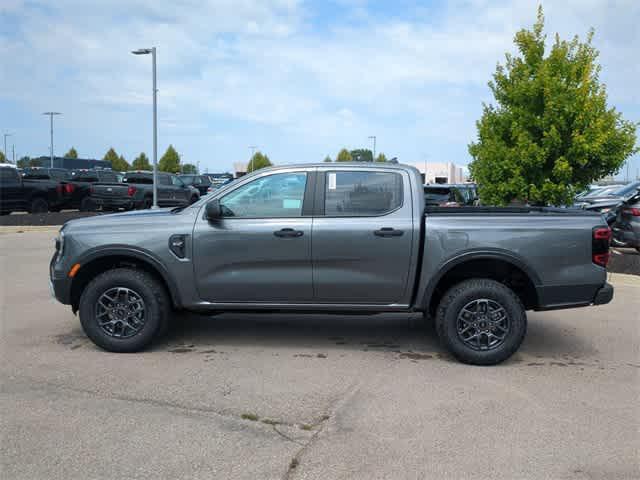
213	210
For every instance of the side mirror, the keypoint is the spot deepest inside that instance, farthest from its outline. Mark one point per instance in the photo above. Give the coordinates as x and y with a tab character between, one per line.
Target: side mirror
213	210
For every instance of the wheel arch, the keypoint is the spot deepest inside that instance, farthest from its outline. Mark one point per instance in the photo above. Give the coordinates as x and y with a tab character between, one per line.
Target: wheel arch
95	262
503	267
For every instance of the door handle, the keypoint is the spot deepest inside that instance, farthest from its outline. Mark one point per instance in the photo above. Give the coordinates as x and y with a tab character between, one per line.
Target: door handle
388	232
288	233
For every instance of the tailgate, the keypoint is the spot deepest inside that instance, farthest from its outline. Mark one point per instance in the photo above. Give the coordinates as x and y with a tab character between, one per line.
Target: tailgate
109	190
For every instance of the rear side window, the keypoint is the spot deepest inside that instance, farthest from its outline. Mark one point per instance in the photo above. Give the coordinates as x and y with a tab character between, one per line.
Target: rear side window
353	193
108	177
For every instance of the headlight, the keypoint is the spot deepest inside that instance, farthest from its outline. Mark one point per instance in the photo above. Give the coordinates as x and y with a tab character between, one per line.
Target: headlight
605	210
60	244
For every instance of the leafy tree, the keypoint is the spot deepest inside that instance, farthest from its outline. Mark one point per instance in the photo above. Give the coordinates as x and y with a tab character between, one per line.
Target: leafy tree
327	159
120	164
257	162
110	156
551	132
3	159
72	153
141	162
344	156
381	158
35	162
362	155
189	168
23	162
170	161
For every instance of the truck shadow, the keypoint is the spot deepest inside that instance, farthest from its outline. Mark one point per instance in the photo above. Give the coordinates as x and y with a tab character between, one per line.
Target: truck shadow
399	333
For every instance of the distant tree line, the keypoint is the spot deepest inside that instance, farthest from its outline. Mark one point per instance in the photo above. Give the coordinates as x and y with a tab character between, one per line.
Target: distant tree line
357	155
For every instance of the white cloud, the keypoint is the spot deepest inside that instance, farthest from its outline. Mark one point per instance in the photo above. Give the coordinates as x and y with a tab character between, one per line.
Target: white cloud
272	70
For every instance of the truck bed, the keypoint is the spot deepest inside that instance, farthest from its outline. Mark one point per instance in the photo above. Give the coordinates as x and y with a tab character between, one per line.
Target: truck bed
508	211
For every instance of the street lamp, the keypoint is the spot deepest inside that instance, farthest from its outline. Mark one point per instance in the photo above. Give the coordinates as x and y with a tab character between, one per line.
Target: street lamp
152	51
6	156
374	146
51	114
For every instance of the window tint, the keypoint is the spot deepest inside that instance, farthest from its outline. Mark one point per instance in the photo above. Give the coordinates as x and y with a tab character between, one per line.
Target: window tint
176	182
36	175
140	179
362	193
278	195
108	177
60	174
436	194
9	174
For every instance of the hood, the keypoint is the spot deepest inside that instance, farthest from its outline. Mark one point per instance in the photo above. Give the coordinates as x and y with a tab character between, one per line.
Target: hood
136	219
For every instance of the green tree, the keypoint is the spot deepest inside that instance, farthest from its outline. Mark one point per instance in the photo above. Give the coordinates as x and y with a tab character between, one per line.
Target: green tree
35	162
327	159
170	161
189	168
343	156
72	153
381	158
23	162
362	155
120	164
258	161
551	132
141	162
3	159
110	156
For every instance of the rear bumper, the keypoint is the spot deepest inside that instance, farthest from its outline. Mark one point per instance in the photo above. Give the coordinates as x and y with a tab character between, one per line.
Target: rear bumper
604	295
626	234
126	203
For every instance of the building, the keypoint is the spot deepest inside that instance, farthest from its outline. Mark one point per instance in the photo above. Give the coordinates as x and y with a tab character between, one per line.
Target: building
72	163
433	172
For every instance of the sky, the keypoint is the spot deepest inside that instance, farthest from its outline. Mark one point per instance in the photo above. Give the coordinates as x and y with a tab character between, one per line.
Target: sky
299	79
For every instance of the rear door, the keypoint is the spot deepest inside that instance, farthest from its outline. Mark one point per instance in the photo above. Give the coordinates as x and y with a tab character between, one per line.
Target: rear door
260	251
362	236
11	197
165	191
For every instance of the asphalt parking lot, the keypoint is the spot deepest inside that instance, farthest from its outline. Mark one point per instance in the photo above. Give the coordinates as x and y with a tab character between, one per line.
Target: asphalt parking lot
311	396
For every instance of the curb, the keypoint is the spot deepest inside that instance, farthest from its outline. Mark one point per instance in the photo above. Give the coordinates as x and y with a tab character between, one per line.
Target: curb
624	279
28	228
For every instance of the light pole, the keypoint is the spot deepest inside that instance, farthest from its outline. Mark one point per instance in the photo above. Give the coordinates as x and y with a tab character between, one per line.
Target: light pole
51	114
6	155
373	137
152	51
253	152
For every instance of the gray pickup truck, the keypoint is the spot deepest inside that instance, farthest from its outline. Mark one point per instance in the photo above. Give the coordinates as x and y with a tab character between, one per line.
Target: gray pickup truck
333	238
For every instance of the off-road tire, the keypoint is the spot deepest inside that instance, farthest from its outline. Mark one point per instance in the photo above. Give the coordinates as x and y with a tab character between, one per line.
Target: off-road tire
38	205
156	301
462	294
87	205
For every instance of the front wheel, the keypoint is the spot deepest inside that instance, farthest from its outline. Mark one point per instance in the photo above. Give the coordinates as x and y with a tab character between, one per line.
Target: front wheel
38	205
123	310
481	321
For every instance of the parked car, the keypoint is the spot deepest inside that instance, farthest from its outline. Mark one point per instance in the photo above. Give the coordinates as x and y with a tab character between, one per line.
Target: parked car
136	191
376	248
626	229
22	194
81	181
201	182
444	195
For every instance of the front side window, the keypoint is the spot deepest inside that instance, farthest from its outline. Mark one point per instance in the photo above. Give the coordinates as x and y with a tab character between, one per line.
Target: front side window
162	180
176	182
278	195
349	194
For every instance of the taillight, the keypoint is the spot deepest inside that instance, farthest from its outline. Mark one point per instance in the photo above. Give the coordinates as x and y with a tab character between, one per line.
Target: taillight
634	212
601	239
131	191
69	187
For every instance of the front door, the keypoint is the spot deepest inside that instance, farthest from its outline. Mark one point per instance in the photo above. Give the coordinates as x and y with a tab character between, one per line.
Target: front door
260	251
362	236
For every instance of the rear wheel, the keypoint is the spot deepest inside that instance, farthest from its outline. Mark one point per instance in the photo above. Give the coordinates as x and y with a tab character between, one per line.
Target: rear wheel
87	205
38	205
146	203
481	321
123	310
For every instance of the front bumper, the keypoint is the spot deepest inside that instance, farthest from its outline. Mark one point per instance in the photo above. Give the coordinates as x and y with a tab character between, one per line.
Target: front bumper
59	284
604	295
